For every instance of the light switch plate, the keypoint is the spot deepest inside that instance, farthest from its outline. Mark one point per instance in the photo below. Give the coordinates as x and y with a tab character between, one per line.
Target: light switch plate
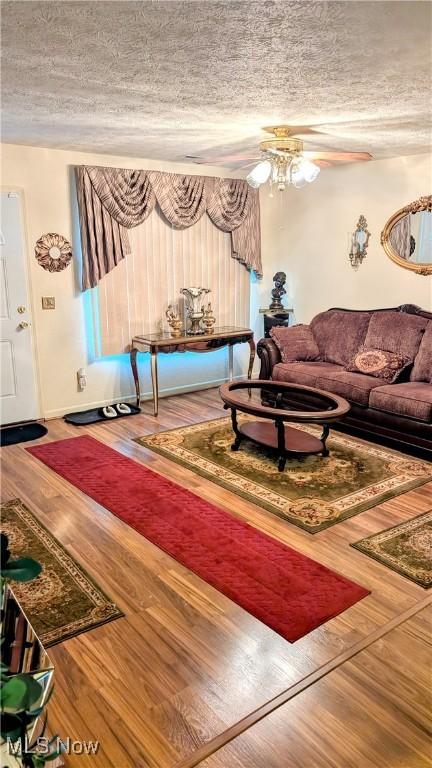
48	302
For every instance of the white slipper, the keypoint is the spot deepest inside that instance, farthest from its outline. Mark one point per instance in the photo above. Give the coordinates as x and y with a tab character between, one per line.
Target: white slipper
109	412
122	409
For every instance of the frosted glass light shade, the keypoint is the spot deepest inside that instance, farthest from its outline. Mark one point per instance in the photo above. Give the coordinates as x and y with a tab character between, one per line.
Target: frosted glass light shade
309	170
296	177
298	180
259	174
303	173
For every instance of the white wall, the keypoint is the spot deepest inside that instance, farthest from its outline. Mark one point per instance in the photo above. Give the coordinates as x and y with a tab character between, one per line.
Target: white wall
64	336
305	233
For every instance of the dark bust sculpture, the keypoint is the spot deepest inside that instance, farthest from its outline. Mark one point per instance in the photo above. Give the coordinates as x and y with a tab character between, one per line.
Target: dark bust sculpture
278	291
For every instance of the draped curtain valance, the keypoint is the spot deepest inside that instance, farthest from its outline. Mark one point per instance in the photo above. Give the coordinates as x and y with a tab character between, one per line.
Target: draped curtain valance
113	200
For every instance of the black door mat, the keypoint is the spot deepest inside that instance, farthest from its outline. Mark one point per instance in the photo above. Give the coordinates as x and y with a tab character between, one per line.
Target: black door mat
21	433
81	418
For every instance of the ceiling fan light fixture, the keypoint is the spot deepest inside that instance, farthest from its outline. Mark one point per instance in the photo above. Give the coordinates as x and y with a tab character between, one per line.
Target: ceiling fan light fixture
283	163
260	174
309	170
297	178
303	172
279	156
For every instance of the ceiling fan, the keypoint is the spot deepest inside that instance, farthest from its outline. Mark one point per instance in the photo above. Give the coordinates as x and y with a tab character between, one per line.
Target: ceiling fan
283	160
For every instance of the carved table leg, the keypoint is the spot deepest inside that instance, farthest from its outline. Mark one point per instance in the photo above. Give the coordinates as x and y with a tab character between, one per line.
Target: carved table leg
281	444
154	378
323	438
252	349
133	362
230	361
238	436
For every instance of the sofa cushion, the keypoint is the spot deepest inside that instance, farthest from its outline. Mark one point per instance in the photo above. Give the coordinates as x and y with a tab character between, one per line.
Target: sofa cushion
339	334
302	373
295	343
412	399
353	386
397	332
422	370
379	363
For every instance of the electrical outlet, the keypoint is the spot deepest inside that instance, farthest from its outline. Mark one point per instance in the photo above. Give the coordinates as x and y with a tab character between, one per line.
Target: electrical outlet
48	302
82	378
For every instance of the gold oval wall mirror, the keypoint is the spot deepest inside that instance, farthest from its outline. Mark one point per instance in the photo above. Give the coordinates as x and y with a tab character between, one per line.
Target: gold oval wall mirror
407	236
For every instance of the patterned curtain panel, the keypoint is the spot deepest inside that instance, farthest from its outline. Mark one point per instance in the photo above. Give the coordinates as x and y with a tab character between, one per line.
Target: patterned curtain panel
246	240
113	200
229	203
127	195
181	199
104	241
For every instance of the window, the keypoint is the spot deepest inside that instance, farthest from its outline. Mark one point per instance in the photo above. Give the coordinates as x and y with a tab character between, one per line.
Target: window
134	296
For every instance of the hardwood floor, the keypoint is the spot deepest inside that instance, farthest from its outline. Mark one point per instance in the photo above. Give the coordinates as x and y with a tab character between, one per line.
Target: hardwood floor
187	677
372	711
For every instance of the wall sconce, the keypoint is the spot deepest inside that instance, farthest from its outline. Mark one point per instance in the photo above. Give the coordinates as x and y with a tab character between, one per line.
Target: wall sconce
359	241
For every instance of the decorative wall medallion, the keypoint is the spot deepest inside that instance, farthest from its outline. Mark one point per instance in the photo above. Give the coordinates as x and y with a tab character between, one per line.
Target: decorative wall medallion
53	252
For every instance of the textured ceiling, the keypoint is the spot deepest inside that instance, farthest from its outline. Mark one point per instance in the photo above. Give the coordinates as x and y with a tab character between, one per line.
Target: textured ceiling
169	79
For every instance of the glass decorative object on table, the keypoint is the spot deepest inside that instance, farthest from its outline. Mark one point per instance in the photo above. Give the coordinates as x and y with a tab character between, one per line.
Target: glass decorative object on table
194	308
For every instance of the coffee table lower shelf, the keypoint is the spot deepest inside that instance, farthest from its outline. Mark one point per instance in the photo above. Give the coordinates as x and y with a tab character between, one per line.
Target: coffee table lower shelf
283	439
275	403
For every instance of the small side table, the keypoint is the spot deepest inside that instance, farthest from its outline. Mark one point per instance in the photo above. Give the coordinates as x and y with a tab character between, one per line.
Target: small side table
274	317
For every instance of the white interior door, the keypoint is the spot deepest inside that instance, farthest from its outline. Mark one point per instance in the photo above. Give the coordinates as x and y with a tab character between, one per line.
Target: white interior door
18	387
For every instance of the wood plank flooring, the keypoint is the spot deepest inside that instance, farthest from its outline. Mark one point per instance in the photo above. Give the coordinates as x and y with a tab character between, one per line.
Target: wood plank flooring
186	666
373	711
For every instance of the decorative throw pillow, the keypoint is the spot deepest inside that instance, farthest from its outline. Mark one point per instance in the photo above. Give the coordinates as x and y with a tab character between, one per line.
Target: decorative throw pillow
422	369
296	343
379	363
398	332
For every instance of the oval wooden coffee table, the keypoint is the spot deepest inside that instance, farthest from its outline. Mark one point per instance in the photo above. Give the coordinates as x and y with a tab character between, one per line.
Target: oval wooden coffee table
279	402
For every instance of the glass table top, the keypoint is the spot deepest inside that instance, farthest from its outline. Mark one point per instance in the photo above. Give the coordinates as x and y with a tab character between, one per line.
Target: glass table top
164	336
258	396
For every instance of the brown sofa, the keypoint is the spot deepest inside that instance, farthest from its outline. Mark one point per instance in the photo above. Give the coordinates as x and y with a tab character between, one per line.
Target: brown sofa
399	413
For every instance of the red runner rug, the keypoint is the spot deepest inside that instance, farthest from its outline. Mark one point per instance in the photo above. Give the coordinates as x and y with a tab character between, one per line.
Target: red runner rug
286	590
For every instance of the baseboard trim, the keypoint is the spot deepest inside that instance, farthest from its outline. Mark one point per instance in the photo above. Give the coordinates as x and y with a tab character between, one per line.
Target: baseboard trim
145	397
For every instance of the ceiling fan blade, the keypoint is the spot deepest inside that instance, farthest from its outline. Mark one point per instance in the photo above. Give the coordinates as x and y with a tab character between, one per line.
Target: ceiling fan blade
228	161
329	159
320	162
255	161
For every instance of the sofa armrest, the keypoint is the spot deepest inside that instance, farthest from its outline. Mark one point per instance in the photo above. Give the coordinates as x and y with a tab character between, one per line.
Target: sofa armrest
269	355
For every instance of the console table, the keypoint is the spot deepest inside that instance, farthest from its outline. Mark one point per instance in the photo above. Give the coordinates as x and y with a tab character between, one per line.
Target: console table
225	336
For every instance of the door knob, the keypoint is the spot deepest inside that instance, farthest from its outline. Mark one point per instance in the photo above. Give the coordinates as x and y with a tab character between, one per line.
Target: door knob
23	324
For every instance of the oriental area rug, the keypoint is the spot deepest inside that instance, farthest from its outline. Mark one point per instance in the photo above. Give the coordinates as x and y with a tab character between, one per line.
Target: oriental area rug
313	492
63	600
405	548
284	589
